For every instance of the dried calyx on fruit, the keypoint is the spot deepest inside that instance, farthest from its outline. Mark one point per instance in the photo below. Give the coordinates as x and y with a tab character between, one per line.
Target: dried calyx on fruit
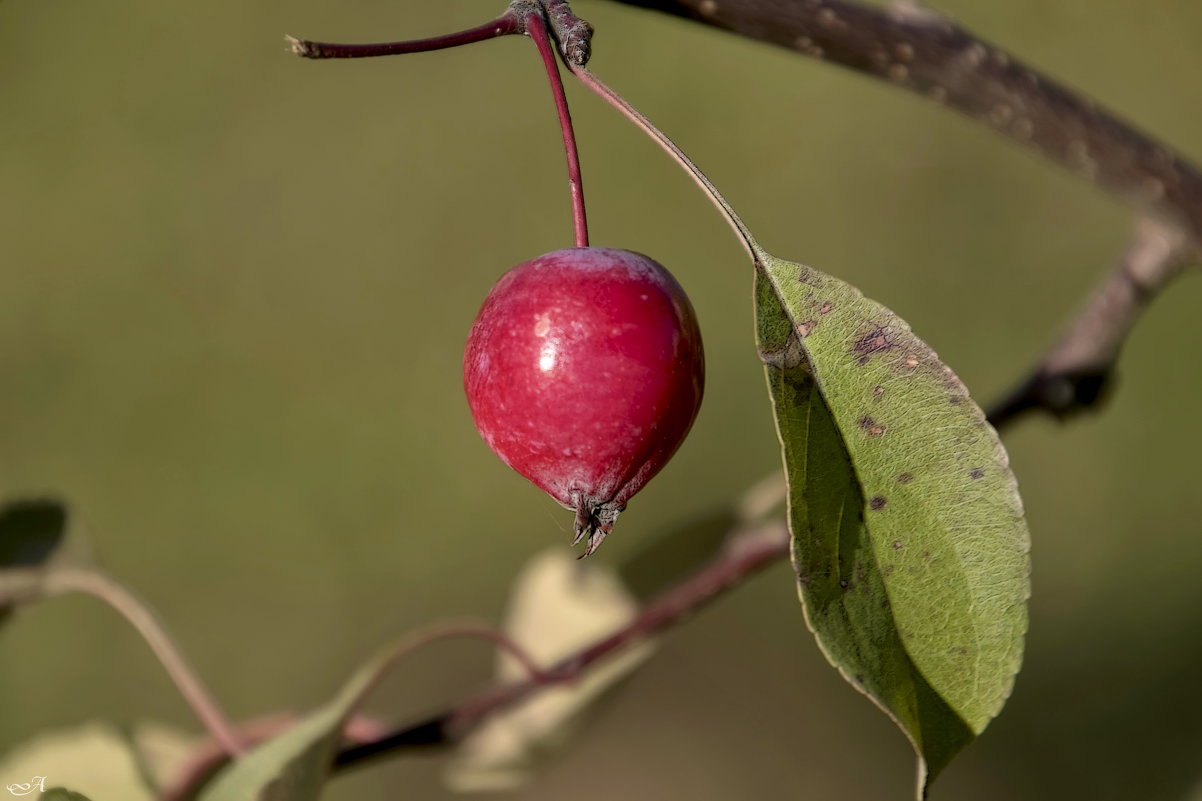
584	372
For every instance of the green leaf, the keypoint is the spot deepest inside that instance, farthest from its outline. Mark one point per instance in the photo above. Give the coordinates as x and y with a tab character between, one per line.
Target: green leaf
908	535
61	794
295	765
32	534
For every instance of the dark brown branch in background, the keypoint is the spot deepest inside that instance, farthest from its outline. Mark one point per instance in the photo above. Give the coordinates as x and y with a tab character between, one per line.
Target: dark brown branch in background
1075	373
920	50
745	553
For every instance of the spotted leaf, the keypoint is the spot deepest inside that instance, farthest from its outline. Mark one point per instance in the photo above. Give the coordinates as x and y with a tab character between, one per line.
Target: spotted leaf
909	541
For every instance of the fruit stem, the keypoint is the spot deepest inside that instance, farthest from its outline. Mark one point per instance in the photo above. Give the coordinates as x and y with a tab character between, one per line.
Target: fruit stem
631	113
537	29
507	24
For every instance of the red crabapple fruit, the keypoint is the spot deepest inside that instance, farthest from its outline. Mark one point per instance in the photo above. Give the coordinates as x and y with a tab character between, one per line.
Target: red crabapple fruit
584	372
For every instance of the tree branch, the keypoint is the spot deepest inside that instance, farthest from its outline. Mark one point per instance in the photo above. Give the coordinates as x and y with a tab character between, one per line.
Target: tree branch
1076	372
925	52
745	553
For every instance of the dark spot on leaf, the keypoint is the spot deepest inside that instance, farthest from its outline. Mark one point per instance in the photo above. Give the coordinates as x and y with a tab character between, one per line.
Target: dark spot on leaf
877	503
844	583
897	545
871	427
825	308
805	328
887	570
977	472
878	391
863	360
955	400
859	678
905	478
878	340
804	276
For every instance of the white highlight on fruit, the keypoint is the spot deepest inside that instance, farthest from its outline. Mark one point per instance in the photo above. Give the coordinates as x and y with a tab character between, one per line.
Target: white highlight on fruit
547	355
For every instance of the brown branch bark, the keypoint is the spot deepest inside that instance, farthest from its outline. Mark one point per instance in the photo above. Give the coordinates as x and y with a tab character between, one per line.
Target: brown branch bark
920	50
1076	372
925	52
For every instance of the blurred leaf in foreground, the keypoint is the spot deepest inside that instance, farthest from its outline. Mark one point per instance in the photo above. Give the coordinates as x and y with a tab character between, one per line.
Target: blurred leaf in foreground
108	763
63	794
559	605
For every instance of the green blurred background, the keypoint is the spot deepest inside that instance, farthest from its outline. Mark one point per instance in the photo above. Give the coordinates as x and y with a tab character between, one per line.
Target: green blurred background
234	289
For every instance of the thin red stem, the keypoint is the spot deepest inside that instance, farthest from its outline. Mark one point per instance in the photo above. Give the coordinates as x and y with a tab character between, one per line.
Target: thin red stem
504	25
660	138
542	40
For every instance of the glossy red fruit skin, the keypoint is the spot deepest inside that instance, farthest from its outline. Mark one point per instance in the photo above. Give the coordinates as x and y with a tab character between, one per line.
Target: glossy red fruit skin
584	372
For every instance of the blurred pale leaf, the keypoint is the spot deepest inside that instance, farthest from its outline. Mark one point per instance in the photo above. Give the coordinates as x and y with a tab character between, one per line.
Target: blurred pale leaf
908	534
559	604
99	758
